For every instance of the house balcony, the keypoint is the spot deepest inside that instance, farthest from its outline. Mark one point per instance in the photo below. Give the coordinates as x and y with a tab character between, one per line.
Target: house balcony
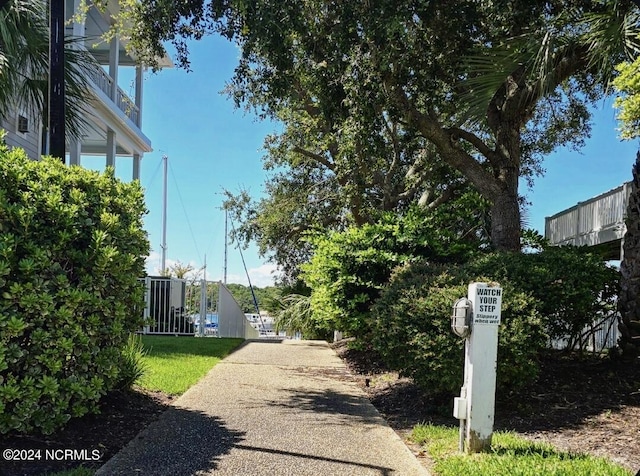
598	222
104	82
113	117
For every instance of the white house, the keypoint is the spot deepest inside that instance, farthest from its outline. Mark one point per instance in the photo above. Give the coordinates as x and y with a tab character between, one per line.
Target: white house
114	116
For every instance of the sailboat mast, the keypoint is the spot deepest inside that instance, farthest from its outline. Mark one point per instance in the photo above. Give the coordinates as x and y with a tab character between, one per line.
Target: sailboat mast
224	277
164	216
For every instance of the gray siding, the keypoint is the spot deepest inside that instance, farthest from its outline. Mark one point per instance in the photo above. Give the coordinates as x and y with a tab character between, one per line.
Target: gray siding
30	141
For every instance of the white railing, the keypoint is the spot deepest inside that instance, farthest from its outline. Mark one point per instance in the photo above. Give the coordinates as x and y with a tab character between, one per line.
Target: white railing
597	337
592	222
175	306
104	82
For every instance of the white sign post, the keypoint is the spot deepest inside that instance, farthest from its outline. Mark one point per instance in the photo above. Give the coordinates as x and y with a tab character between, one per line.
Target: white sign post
481	352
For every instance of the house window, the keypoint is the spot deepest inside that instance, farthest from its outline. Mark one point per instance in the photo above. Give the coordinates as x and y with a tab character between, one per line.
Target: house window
23	124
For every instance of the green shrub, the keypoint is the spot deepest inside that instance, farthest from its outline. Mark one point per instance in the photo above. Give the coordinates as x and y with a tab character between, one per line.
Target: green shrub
414	336
349	268
133	365
294	315
572	286
72	249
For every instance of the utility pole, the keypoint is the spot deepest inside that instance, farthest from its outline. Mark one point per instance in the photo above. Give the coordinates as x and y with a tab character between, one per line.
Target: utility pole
56	80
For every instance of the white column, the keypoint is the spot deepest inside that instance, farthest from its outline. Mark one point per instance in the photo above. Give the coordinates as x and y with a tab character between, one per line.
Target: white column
111	148
136	167
203	308
74	152
481	355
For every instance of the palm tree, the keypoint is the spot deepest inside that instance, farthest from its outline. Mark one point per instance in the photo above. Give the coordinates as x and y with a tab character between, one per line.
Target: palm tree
596	43
583	44
629	297
24	64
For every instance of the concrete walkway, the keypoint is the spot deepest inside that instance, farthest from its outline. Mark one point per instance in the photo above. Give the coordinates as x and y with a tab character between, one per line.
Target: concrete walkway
270	408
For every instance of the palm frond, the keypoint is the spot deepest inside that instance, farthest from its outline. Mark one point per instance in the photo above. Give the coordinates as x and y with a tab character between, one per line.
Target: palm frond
612	36
608	36
24	66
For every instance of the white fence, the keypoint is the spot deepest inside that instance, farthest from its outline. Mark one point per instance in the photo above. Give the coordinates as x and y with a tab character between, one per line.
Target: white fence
599	336
597	220
176	306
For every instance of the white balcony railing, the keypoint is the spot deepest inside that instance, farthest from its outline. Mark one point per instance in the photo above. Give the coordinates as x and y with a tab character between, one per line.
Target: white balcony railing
592	222
105	83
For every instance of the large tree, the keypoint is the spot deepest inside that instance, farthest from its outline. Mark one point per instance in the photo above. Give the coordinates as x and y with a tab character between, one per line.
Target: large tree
492	86
628	102
313	190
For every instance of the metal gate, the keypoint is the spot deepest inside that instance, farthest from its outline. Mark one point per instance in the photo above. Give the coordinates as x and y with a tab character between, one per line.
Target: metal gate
165	311
180	307
202	300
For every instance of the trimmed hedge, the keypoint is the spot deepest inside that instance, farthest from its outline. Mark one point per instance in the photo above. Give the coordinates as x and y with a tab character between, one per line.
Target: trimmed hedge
349	268
413	318
72	249
573	286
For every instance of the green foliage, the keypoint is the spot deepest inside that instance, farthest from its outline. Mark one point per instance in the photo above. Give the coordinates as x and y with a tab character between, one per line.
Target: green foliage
242	294
25	45
572	286
244	297
413	324
353	80
133	365
295	315
628	102
349	269
71	250
555	292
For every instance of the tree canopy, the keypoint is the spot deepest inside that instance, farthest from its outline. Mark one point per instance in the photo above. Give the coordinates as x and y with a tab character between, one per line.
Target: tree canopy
487	88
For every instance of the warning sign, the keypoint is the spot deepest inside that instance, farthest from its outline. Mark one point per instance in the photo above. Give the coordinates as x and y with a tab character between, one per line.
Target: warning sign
487	303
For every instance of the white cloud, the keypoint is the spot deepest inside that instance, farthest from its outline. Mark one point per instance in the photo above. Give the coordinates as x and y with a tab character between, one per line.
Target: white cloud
261	277
264	275
153	263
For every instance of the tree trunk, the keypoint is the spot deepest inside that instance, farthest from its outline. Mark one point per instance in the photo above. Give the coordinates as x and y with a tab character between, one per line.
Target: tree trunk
505	221
629	298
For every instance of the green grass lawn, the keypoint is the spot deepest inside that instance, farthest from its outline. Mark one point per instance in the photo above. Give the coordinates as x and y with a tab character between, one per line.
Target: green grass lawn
510	456
173	364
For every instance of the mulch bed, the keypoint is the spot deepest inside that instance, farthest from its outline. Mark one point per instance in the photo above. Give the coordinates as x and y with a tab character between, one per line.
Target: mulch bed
123	415
587	404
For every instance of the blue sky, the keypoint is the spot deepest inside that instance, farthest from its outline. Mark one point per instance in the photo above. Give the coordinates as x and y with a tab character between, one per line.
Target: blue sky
212	146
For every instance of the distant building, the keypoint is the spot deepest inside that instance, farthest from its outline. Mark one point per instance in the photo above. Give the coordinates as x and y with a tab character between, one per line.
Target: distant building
114	117
597	222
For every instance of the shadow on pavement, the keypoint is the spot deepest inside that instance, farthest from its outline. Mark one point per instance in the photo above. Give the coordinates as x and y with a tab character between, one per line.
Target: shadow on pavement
332	403
381	469
180	442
